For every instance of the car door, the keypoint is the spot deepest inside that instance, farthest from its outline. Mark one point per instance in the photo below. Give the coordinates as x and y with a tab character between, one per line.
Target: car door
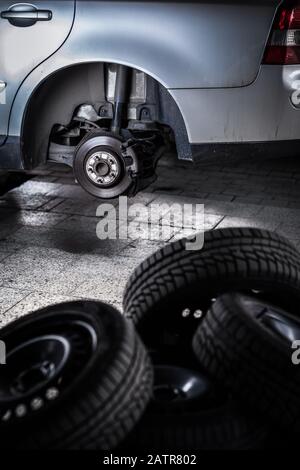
29	34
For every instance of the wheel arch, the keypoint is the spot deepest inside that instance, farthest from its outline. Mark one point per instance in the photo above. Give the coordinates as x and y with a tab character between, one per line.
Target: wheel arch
56	96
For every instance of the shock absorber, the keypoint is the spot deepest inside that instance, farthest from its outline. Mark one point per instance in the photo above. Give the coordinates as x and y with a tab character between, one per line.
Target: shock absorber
122	95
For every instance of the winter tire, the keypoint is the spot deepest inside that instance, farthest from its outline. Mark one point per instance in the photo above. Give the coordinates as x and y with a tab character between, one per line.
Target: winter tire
168	294
188	413
246	344
77	377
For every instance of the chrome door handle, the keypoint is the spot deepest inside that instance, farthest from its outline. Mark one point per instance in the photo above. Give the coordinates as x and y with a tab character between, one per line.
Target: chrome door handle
38	15
23	15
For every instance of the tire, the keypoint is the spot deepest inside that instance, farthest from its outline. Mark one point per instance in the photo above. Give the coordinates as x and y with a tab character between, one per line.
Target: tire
209	421
173	282
246	344
100	386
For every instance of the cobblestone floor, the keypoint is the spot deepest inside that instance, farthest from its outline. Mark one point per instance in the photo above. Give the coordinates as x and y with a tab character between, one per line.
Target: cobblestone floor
49	251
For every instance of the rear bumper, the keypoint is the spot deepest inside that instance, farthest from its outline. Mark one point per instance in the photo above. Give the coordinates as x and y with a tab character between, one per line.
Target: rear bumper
261	112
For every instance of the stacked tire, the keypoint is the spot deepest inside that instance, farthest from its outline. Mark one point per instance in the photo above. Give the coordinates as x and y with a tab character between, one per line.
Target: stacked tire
201	360
212	312
248	346
77	378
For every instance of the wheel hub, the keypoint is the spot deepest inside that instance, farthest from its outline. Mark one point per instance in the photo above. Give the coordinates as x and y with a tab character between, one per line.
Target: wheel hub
28	379
103	168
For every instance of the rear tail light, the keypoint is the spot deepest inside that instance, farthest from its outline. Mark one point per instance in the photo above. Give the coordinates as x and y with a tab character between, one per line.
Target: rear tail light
284	43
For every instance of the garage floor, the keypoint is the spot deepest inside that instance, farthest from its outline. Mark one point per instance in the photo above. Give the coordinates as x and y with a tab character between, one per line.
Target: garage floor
49	251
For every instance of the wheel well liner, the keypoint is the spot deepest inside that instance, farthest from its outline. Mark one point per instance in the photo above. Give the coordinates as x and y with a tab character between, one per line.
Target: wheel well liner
56	98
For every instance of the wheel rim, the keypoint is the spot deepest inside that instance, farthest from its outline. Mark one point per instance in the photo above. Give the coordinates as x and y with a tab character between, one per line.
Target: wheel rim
41	368
177	385
186	317
32	364
274	318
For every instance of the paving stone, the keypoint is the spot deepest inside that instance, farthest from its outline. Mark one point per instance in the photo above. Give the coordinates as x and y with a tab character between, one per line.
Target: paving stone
248	222
24	201
39	172
58	168
8	248
294	204
30	269
46	179
77	222
33	187
141	249
248	200
144	231
8	298
70	191
31	303
66	179
65	282
281	214
103	290
34	218
231	208
77	207
290	231
4	204
6	231
51	204
4	255
77	242
190	220
6	213
191	234
196	194
49	250
220	197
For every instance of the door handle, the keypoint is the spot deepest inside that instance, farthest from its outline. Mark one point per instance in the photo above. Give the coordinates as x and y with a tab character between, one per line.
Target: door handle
23	15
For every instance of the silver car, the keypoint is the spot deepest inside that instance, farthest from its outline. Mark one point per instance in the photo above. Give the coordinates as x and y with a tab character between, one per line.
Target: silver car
107	86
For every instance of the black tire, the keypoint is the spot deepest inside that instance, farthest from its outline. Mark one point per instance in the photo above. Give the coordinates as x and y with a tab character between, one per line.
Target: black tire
247	345
104	382
174	279
227	428
210	421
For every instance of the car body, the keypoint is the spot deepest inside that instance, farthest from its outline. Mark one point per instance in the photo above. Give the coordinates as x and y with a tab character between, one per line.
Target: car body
197	68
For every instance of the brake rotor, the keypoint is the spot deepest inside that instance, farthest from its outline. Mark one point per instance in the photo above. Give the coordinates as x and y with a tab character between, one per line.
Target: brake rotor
102	166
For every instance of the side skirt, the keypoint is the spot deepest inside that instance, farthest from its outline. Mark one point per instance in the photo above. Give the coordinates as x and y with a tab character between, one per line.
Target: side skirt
10	155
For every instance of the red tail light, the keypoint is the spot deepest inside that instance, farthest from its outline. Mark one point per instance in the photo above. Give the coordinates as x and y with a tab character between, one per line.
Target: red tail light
284	43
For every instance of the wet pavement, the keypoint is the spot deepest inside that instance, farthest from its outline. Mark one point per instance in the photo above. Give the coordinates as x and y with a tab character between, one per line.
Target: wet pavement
49	250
